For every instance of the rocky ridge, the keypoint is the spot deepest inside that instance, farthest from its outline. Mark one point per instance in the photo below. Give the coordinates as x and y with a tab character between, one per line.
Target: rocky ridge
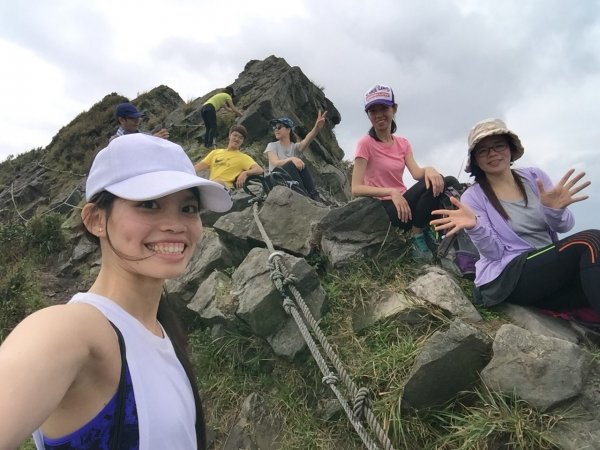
542	360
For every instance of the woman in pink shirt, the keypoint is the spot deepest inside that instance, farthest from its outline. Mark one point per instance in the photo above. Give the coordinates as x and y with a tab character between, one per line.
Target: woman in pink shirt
379	165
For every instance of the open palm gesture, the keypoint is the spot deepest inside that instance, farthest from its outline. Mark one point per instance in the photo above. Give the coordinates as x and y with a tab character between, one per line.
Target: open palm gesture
454	220
563	194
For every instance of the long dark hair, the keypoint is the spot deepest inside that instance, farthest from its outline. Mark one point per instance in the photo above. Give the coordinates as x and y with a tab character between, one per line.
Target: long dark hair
374	135
167	318
481	179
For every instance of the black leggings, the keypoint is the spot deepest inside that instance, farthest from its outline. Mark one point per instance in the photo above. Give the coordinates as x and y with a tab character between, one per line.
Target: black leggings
421	202
562	276
209	115
303	177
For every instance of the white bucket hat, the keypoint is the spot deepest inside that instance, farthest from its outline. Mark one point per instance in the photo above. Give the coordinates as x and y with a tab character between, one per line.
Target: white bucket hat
492	127
142	167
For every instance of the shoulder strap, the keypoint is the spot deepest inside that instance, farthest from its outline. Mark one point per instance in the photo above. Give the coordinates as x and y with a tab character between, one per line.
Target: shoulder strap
115	440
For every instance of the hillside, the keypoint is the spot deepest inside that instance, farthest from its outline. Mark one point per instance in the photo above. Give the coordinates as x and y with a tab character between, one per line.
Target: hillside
408	335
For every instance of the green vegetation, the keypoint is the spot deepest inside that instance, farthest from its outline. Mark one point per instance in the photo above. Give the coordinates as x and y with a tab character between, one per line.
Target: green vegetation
24	249
234	365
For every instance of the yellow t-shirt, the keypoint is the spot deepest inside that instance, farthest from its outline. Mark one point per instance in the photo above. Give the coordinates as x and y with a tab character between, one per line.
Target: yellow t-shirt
225	165
218	100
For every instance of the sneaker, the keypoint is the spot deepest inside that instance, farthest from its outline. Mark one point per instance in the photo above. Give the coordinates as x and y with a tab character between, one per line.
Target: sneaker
317	198
420	250
431	239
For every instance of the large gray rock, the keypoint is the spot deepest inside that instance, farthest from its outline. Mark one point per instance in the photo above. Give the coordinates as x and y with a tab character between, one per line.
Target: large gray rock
210	255
290	221
449	363
241	201
213	301
541	370
439	288
385	305
539	323
354	230
260	304
234	229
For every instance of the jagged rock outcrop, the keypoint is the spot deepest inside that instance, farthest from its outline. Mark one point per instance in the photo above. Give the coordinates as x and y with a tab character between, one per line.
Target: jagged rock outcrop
356	229
438	287
449	363
543	371
53	176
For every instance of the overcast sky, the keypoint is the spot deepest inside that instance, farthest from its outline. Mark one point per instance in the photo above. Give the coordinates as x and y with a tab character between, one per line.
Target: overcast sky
451	63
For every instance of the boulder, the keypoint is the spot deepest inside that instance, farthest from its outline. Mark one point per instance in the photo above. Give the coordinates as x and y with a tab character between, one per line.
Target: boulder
543	371
260	305
210	255
449	363
385	305
290	220
439	288
354	230
538	323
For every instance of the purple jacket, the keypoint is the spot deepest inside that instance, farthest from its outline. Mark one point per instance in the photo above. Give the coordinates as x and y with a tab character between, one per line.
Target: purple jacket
493	235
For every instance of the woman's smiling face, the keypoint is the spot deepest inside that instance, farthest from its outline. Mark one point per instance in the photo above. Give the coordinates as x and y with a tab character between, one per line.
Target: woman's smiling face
155	238
381	117
492	154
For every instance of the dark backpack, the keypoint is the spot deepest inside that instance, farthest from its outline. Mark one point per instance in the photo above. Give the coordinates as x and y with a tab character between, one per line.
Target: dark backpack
456	253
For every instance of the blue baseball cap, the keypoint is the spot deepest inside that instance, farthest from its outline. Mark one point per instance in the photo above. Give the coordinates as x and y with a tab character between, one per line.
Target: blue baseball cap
128	110
285	121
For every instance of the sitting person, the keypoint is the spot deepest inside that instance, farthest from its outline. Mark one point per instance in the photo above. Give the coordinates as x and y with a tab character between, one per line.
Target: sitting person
223	99
129	119
230	167
513	217
379	164
286	154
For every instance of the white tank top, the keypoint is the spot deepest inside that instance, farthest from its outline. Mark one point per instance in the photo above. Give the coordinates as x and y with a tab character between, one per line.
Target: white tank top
163	394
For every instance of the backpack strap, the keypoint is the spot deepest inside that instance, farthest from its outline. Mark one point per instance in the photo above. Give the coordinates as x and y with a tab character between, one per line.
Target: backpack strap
115	440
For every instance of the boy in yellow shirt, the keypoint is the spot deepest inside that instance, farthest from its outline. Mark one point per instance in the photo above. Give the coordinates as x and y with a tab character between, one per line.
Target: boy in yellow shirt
230	166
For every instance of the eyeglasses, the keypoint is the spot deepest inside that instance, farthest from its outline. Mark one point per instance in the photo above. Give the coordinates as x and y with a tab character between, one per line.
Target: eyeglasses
278	126
485	151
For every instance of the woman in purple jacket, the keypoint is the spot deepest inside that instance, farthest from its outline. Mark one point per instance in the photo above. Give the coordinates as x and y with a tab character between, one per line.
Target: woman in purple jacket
513	217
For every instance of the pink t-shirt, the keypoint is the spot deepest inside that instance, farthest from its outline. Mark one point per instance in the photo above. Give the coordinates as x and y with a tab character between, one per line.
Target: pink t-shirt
385	162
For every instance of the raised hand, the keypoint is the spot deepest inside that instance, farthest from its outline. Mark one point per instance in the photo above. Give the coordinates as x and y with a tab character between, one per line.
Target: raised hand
320	119
563	194
454	220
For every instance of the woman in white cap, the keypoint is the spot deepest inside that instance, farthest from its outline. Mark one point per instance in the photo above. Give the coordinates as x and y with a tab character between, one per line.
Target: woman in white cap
109	369
513	217
379	164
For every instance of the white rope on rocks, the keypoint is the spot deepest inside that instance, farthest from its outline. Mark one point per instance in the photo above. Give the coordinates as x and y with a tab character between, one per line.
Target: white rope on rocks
284	282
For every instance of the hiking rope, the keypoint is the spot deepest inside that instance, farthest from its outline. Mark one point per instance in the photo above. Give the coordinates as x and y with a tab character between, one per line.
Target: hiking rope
284	282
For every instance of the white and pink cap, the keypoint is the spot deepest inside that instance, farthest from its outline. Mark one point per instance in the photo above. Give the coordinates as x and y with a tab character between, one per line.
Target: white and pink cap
379	95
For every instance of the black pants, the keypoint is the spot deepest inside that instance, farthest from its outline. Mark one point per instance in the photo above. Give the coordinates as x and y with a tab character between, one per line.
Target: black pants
563	276
209	116
421	202
303	177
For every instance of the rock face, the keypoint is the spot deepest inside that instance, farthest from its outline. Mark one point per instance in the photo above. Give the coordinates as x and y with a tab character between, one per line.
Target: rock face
264	90
448	364
541	370
356	229
439	288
